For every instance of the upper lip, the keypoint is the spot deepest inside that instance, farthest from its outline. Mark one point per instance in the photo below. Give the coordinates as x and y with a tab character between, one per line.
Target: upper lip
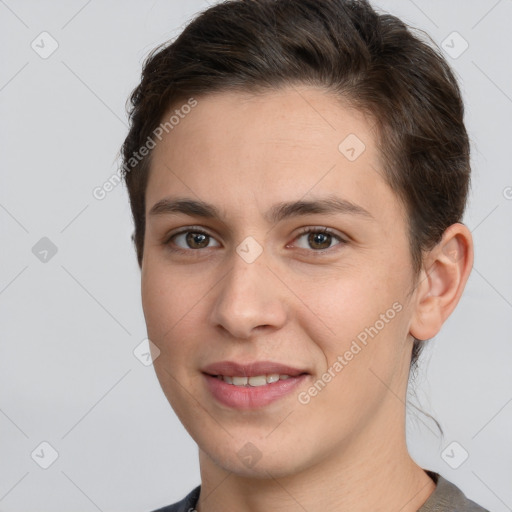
233	369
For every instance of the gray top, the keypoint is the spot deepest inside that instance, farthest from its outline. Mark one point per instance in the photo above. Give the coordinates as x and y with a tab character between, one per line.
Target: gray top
446	498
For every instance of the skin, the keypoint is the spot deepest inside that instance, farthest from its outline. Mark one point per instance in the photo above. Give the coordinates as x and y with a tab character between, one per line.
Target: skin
295	304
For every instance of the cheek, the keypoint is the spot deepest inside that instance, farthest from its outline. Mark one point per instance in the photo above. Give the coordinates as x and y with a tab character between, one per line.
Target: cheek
168	301
362	350
360	318
171	307
346	303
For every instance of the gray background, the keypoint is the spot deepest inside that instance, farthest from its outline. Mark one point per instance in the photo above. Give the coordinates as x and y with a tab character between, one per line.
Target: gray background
70	323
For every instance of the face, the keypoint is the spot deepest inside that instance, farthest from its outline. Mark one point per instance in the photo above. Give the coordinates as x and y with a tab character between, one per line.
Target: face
274	246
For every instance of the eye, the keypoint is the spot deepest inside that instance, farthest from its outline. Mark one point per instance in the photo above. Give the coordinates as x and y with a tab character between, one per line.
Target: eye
318	239
191	240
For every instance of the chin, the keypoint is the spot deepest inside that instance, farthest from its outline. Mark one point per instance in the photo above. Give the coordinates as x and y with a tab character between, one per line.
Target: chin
255	459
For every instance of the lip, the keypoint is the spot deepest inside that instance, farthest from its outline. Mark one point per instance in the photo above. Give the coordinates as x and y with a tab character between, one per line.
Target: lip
234	369
251	397
248	397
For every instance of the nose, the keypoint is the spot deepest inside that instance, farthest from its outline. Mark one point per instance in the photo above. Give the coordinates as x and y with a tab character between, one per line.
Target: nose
248	299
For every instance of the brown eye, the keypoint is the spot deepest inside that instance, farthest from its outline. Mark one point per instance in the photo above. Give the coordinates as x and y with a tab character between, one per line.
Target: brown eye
197	240
192	240
319	240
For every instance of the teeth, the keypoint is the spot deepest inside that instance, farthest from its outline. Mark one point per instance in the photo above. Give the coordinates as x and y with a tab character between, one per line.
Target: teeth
240	381
257	380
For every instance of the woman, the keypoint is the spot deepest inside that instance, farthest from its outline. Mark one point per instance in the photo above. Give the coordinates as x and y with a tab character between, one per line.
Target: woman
298	172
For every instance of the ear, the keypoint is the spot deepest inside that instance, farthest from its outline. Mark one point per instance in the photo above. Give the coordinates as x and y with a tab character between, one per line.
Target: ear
446	269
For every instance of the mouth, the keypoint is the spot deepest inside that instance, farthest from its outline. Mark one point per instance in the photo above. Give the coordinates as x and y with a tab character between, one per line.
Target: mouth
254	381
253	385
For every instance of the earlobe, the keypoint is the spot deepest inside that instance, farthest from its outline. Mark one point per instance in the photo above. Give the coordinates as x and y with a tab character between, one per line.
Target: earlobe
441	283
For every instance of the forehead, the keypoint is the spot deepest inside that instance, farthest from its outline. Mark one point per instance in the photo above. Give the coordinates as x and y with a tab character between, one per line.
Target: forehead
255	149
295	118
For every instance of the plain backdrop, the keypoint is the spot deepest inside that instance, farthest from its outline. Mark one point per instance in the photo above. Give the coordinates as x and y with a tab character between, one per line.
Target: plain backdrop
70	312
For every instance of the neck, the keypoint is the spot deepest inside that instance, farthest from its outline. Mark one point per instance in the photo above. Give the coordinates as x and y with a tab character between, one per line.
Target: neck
347	480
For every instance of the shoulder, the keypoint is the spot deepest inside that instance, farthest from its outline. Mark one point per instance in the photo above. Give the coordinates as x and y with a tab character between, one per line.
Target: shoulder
187	504
447	497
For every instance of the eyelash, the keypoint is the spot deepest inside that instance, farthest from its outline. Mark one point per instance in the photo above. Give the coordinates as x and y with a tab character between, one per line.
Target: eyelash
168	240
306	230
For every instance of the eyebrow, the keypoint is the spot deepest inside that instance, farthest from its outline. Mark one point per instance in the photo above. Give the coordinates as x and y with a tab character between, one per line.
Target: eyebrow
278	212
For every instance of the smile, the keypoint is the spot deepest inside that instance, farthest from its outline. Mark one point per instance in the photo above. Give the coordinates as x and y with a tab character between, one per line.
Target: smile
257	380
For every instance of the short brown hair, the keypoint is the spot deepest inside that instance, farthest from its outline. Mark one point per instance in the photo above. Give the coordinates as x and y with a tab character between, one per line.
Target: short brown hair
372	61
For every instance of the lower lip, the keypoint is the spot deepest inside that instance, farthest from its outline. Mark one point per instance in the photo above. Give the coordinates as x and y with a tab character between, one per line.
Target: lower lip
251	397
